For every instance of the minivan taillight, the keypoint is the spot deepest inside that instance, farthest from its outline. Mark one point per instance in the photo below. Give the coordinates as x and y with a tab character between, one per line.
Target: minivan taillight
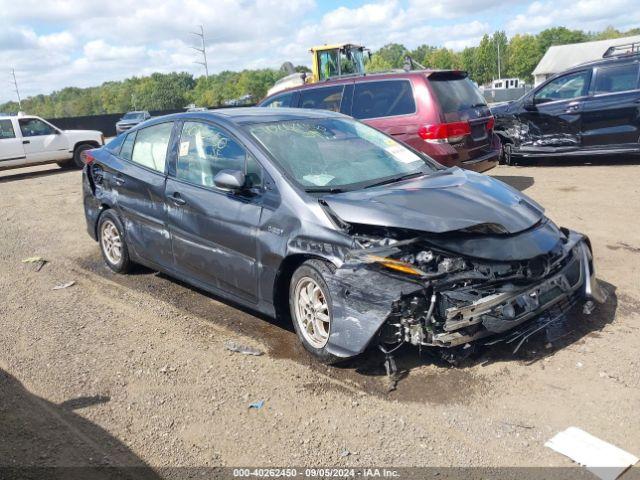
87	157
444	132
491	123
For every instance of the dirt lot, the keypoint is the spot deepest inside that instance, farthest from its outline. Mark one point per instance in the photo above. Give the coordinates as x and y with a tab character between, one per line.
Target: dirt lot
132	369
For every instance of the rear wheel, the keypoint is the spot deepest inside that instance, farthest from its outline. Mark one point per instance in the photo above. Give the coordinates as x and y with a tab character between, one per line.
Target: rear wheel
311	308
112	243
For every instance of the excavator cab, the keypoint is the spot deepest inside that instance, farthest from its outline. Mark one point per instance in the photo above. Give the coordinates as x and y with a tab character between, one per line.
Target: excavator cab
330	61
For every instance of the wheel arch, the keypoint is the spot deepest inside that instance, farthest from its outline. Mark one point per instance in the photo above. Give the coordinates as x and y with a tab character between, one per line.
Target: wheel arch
283	278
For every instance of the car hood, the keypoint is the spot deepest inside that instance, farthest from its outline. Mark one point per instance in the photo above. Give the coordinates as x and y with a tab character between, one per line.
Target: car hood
445	201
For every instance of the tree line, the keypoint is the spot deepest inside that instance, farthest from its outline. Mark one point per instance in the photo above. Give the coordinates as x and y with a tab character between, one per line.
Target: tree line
519	55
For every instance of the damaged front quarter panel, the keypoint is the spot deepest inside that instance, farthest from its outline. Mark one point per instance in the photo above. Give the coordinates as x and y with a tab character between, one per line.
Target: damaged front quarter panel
404	290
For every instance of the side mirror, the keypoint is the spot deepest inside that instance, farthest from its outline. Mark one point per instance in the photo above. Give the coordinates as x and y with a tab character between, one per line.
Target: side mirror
229	179
529	103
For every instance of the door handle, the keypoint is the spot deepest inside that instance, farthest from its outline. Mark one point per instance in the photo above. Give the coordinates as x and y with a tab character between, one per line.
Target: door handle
25	142
119	180
177	199
572	108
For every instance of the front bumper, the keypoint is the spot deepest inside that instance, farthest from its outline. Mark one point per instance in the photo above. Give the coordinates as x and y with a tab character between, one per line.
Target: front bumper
365	305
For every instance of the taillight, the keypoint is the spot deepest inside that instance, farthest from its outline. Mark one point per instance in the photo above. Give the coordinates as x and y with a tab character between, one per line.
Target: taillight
490	124
87	157
445	132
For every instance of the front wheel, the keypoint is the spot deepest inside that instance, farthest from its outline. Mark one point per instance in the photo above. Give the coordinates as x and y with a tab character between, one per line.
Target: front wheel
507	154
311	308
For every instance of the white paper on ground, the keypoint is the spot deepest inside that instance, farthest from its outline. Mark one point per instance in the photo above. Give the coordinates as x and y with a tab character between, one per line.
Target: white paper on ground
601	458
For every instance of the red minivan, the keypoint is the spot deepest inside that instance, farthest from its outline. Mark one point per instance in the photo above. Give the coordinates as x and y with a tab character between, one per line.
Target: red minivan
439	112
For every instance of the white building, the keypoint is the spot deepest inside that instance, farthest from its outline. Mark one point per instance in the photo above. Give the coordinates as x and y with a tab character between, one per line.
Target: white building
561	57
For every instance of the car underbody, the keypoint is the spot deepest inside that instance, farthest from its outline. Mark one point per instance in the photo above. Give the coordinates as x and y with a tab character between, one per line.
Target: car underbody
396	290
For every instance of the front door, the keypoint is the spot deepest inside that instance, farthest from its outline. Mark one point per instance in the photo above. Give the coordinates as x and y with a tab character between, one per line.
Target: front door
213	231
139	183
42	142
611	115
553	122
11	151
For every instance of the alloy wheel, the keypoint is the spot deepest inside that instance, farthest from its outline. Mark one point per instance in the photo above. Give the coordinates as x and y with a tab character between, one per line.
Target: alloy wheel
312	312
111	242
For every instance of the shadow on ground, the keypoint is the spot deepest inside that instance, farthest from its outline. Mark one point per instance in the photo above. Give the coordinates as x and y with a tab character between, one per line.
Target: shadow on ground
593	161
518	182
445	384
41	439
7	176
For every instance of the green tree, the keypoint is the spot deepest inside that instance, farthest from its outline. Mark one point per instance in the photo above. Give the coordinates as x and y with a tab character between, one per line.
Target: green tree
523	55
388	57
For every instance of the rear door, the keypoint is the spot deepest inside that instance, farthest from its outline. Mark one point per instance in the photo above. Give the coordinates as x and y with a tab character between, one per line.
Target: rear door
554	121
11	151
459	100
388	105
611	114
138	182
214	231
42	142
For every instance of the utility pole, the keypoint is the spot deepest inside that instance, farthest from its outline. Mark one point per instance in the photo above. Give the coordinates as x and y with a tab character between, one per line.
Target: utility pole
498	43
202	50
15	84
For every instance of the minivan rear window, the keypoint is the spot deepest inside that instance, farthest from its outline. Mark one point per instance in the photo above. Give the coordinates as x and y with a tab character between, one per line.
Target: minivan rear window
455	93
383	99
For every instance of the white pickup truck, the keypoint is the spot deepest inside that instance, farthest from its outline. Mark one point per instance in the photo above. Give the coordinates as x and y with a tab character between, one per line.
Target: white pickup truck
27	140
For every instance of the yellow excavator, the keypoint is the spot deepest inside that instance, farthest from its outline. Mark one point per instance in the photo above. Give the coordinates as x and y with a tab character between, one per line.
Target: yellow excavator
328	61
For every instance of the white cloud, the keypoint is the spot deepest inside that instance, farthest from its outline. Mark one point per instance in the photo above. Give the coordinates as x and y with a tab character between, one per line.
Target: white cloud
58	43
587	15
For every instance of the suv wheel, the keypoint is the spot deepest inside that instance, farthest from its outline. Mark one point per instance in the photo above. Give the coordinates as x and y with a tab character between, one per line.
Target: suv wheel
507	156
311	308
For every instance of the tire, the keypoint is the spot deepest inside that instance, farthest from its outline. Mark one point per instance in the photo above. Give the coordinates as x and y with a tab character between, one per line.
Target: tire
77	161
507	155
306	319
110	229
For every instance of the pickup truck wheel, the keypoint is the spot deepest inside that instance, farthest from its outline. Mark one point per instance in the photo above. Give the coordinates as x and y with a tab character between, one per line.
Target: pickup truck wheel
77	160
311	308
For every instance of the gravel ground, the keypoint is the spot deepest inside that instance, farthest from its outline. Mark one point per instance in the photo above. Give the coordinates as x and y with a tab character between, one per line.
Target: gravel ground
132	370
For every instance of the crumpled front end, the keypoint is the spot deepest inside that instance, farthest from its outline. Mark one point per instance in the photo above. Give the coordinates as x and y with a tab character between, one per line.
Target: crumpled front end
391	292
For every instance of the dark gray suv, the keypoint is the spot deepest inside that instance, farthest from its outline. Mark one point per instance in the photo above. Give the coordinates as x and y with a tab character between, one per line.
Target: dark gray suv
360	239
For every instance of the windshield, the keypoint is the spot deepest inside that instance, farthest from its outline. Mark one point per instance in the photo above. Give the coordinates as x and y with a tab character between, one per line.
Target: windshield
133	116
328	154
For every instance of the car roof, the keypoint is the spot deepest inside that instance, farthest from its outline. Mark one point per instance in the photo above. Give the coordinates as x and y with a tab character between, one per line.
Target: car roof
622	59
391	74
241	115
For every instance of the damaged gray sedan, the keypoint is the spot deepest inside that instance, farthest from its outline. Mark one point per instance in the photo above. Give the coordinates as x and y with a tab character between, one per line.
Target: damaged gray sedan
361	240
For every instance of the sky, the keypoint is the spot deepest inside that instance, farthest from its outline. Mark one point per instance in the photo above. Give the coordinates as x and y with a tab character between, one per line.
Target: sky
52	44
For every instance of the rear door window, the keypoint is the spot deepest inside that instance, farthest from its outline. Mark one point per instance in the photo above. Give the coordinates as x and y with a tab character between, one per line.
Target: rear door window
127	146
150	148
383	99
620	78
279	101
326	98
6	130
455	93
